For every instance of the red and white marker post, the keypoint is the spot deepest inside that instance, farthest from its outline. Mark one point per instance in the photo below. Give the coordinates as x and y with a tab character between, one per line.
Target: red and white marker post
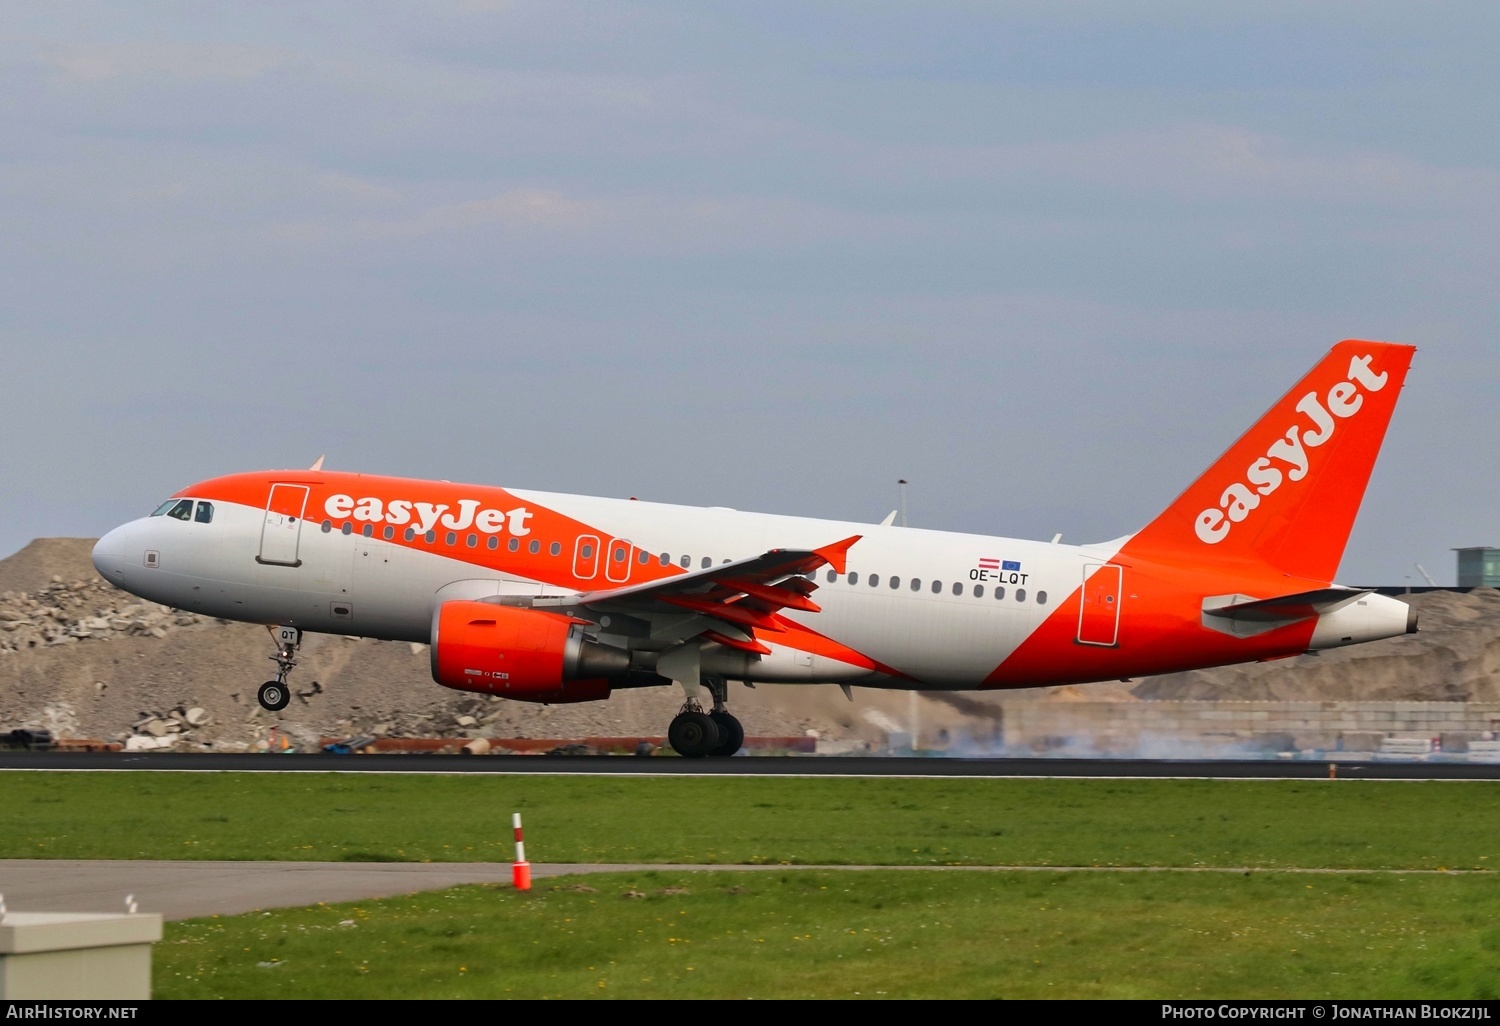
520	871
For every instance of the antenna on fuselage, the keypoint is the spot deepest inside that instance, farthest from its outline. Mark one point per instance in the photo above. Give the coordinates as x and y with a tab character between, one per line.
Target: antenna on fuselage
317	465
902	483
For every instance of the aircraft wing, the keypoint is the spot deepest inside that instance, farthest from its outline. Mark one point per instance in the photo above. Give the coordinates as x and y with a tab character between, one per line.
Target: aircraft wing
736	598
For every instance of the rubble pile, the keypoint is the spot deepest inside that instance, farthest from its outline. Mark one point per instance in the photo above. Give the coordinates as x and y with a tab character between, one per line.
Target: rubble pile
81	659
155	732
84	660
65	613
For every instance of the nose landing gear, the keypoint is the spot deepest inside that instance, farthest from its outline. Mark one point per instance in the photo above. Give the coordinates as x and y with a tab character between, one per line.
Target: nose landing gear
274	694
695	734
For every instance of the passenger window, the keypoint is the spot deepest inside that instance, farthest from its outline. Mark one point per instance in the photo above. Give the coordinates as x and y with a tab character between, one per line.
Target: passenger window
916	584
853	577
895	583
472	540
979	591
369	529
410	534
347	527
182	510
644	557
686	561
874	580
494	542
937	587
958	587
586	552
665	559
514	545
1020	594
1041	598
430	537
707	562
555	548
205	514
833	575
388	533
999	593
327	526
450	538
534	547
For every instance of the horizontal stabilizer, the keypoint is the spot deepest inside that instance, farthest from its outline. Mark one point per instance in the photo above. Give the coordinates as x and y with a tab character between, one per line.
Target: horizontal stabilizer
1280	610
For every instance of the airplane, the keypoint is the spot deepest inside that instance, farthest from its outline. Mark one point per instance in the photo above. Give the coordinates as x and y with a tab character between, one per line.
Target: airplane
553	598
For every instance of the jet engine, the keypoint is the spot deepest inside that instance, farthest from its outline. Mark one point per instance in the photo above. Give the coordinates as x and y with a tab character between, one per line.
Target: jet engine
525	654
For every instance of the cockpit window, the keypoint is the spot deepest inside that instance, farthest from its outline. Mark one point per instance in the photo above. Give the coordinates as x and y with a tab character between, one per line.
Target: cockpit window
205	514
182	510
164	507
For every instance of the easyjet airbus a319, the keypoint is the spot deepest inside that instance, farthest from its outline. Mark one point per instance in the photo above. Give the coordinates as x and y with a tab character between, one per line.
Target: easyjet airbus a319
543	597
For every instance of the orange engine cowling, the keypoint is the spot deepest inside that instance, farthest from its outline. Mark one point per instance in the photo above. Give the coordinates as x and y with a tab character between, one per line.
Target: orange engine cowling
525	654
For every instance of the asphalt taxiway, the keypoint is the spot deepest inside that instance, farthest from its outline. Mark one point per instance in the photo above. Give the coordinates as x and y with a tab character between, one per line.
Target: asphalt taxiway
189	889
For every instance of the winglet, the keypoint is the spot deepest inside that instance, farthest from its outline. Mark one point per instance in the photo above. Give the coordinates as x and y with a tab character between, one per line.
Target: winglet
836	554
317	465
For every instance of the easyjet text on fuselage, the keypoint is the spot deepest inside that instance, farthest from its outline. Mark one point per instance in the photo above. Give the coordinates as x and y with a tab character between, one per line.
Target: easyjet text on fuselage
427	516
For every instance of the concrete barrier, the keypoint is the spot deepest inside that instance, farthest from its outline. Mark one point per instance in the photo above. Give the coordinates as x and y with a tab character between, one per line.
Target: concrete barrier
76	955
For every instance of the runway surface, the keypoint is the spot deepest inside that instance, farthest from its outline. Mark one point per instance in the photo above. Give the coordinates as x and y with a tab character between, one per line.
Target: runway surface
809	766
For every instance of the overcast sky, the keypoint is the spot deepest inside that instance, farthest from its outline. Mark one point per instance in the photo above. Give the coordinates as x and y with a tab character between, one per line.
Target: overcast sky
1044	260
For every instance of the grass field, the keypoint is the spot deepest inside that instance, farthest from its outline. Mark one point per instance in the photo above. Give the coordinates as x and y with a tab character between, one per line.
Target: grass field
867	934
809	932
875	821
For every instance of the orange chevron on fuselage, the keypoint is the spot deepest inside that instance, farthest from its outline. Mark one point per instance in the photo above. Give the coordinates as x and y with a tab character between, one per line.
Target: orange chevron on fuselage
457	521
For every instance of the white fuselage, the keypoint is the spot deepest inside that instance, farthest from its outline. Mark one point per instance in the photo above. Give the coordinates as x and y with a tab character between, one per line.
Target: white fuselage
914	600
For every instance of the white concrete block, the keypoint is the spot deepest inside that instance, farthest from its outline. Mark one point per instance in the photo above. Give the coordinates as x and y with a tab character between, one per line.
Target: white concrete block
77	955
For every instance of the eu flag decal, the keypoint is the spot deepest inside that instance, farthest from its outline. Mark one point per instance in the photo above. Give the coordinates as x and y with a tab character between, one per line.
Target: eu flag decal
1010	564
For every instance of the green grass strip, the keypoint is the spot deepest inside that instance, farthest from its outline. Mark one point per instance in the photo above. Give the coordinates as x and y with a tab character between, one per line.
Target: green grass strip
868	934
712	820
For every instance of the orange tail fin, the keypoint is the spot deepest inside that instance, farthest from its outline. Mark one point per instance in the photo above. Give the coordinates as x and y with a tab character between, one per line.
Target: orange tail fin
1287	492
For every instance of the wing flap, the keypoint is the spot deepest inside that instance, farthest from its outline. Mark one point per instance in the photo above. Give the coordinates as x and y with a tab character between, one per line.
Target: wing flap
745	593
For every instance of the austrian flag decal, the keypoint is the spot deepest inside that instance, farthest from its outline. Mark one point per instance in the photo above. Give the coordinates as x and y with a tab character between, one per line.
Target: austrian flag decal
999	571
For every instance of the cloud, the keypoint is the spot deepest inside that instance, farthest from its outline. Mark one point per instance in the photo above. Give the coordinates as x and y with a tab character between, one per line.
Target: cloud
1198	160
516	208
623	224
92	63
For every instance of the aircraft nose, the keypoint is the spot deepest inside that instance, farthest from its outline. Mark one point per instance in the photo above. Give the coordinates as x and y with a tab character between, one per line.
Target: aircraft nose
109	556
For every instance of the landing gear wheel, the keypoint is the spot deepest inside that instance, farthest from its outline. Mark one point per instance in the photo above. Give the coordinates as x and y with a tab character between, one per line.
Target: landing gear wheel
274	695
693	735
731	734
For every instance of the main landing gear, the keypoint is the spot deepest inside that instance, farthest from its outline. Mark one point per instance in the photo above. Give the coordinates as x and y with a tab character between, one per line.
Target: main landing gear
274	694
694	733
